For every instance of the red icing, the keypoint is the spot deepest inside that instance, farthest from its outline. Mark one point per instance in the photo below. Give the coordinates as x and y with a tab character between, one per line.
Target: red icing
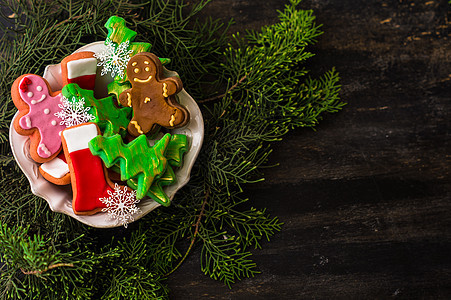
90	181
86	82
62	157
24	84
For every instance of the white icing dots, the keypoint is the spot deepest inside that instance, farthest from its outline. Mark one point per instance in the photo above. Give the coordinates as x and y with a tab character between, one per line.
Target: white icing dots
136	70
147	69
46	111
39	88
30	94
53	123
146	62
134	63
33	101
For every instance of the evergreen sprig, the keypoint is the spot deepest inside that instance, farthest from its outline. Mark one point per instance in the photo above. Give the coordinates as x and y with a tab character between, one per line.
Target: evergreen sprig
252	89
34	265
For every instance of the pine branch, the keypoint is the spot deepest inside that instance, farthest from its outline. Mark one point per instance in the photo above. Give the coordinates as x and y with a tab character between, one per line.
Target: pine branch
221	259
223	95
38	272
196	231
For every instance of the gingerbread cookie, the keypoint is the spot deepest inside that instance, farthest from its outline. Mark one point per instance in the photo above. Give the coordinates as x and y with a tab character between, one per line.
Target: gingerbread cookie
152	96
37	105
80	68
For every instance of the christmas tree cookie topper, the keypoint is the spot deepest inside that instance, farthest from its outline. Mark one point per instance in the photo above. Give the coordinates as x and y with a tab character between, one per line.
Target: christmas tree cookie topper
120	46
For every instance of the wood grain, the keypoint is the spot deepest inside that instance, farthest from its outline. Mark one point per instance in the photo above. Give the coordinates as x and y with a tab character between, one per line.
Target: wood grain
366	198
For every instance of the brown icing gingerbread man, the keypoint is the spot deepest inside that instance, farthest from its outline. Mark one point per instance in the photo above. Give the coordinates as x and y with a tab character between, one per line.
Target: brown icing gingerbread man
152	96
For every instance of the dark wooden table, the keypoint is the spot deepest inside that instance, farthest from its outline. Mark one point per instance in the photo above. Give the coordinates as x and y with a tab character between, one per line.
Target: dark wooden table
366	198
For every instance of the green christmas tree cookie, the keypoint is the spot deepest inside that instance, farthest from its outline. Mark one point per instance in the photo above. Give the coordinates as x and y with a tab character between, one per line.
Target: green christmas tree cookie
119	48
174	154
136	159
156	191
106	114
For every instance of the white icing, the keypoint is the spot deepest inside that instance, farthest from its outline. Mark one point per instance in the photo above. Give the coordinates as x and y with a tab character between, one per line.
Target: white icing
53	123
39	88
30	94
46	111
27	122
45	149
42	97
56	167
81	67
77	138
40	100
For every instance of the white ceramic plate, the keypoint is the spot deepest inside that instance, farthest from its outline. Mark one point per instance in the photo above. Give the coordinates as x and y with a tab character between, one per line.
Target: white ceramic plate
59	198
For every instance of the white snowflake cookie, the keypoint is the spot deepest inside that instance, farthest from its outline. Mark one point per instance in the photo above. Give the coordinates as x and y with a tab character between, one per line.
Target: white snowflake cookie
121	205
73	113
114	58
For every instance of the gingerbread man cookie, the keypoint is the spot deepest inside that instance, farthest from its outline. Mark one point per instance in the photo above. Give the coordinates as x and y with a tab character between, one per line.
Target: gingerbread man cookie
152	96
37	105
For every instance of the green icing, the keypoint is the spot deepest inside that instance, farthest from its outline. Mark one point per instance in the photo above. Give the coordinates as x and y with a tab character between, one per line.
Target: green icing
136	159
118	31
156	191
108	117
164	61
174	153
176	148
117	88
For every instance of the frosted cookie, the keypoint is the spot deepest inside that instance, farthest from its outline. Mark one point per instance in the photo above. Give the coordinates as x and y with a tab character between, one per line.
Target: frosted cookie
80	68
56	170
152	96
90	185
37	105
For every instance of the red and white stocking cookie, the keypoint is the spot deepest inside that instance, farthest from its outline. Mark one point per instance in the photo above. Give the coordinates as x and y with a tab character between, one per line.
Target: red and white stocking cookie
80	68
37	105
88	174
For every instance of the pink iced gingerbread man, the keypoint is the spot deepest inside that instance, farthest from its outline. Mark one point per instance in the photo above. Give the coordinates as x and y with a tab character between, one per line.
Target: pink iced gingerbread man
37	105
